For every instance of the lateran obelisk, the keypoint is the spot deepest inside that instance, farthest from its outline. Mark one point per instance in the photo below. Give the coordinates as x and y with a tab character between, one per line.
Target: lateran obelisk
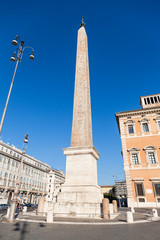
80	194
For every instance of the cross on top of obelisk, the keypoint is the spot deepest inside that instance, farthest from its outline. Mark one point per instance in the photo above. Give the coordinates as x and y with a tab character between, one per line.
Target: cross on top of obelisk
83	24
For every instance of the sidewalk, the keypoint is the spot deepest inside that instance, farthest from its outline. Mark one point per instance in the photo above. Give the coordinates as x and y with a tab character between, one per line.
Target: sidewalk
121	218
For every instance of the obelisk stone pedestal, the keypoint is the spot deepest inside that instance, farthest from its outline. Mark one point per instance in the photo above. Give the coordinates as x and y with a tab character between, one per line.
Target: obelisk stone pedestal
80	195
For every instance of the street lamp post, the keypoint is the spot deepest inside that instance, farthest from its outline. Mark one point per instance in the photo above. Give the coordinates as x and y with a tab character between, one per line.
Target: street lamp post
19	51
16	191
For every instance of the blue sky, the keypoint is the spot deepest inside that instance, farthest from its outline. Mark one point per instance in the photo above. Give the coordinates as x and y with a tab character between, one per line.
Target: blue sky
124	59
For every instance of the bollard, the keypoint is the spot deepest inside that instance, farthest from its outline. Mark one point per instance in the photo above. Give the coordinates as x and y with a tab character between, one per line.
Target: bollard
8	211
129	217
114	206
25	209
132	210
50	217
50	212
106	211
155	213
111	208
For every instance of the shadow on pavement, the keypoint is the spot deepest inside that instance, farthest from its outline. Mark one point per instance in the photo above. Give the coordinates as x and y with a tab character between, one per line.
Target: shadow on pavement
17	227
42	225
23	231
22	228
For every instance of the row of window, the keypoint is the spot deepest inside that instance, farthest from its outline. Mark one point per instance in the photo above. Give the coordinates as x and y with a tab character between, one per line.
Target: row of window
150	152
23	186
31	181
145	126
27	172
26	169
13	153
152	100
139	188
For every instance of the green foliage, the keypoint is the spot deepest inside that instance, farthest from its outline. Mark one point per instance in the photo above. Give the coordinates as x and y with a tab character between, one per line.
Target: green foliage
110	196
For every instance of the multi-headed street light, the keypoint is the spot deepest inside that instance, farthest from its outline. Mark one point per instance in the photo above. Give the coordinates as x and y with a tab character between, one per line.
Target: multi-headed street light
16	191
19	51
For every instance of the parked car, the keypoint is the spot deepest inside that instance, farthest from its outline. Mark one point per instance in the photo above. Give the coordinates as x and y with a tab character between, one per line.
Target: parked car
3	206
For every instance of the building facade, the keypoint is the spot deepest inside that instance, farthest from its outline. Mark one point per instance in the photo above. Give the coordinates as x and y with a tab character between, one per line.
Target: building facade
34	176
140	138
121	193
106	189
55	179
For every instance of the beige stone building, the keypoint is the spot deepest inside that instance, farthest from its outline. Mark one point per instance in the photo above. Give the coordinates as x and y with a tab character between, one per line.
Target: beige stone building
140	137
55	179
34	178
106	189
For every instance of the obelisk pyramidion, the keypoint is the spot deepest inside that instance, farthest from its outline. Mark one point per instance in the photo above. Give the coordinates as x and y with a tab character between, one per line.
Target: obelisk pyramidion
80	195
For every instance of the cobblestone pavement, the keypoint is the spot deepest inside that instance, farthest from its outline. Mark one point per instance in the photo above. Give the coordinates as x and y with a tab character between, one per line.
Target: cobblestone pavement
40	231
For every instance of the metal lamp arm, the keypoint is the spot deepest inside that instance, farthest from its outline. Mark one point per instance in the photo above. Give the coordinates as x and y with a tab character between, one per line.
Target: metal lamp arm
24	49
28	47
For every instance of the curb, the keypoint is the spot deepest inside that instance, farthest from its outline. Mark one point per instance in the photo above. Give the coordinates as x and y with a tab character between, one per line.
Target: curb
90	223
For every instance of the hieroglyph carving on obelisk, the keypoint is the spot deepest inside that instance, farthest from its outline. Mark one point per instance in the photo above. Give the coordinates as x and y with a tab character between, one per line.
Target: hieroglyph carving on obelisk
82	124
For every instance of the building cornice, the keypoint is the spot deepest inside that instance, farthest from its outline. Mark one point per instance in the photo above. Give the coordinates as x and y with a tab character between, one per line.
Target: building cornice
136	113
25	162
26	155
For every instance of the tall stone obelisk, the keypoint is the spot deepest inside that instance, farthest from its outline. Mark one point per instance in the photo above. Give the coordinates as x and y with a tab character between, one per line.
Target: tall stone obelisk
80	195
82	124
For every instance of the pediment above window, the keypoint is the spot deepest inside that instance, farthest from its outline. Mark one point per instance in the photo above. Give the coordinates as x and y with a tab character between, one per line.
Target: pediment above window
149	148
144	120
133	150
157	118
130	122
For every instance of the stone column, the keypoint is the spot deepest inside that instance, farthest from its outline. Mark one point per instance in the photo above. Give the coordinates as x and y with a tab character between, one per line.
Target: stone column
114	206
106	212
41	202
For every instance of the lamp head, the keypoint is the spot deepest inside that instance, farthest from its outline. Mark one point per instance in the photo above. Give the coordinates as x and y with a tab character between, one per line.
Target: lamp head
26	138
13	58
32	56
14	42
